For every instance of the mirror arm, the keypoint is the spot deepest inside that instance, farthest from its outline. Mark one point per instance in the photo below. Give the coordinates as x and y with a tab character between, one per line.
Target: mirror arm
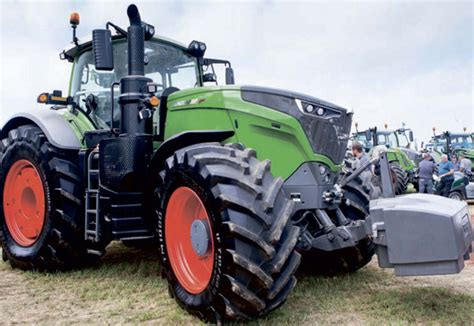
209	61
118	29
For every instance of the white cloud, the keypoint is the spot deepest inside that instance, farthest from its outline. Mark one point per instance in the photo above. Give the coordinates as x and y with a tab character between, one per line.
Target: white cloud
390	62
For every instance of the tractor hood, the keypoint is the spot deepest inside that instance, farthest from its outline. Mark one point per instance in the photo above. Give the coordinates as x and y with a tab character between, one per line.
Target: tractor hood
413	155
326	125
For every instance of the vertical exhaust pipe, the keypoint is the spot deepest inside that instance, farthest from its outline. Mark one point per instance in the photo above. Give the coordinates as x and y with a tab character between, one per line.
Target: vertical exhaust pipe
136	43
132	87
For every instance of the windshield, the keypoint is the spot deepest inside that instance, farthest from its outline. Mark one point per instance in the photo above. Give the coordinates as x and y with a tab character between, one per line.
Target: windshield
462	142
167	65
403	140
366	143
440	145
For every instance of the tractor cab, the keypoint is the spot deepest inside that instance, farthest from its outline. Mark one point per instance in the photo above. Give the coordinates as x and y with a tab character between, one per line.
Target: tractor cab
170	64
447	142
390	138
167	64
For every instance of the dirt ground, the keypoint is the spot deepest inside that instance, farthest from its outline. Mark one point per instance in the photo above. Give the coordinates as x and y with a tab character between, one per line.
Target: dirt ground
125	288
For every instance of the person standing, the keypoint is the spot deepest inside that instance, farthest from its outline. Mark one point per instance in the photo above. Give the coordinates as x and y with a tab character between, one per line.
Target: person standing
465	165
455	162
426	169
361	158
359	155
446	173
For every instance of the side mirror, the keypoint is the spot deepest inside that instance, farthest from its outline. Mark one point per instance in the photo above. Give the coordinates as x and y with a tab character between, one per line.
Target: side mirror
92	102
102	49
210	77
229	76
368	135
410	136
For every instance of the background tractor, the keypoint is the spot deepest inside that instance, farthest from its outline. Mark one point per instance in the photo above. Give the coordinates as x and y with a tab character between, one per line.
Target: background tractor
231	184
452	143
399	148
455	144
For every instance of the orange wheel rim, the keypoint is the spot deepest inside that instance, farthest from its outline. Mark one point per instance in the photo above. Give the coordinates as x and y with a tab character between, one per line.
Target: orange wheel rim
24	203
191	257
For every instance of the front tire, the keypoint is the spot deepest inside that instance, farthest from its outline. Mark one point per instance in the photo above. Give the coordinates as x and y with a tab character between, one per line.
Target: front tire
41	213
399	178
456	195
247	266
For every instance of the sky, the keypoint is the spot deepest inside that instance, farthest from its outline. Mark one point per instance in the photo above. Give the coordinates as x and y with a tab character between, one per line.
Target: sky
390	62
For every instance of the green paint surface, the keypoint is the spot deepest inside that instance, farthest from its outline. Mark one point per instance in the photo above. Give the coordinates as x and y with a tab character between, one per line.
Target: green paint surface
274	135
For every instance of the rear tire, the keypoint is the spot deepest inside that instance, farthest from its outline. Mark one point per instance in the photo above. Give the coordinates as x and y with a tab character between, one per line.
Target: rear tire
399	177
59	245
253	240
355	206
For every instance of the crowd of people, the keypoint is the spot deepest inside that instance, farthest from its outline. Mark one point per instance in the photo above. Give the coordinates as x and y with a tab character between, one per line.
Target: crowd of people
443	171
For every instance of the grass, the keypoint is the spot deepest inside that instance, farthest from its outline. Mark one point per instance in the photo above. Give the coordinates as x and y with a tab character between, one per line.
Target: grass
127	289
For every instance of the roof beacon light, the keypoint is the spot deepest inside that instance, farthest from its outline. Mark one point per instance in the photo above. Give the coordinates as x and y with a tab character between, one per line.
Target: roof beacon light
74	20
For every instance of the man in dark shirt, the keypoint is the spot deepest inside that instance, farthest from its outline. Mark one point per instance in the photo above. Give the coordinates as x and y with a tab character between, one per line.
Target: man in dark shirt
446	173
427	168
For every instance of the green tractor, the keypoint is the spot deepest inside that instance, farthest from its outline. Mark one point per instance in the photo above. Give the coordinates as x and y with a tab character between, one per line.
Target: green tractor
232	185
453	143
398	146
457	144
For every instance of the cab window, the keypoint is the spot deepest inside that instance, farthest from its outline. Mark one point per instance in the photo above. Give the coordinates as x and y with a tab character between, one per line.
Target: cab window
166	65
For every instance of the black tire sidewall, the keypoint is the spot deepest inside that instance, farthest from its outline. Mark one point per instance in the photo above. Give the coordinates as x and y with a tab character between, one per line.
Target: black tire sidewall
18	151
179	177
457	195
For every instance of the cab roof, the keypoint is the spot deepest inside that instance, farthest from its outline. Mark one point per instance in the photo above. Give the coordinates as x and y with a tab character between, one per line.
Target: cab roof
454	134
85	43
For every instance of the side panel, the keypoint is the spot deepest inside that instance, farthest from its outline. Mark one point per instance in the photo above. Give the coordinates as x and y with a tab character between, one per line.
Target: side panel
274	135
188	119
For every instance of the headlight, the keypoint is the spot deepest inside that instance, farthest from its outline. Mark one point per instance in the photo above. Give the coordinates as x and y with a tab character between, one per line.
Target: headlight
320	111
309	108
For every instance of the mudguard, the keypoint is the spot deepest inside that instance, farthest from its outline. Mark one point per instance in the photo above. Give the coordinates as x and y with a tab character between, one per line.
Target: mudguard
56	128
184	139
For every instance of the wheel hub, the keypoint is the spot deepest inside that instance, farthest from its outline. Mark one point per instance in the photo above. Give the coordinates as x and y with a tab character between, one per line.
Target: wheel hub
189	242
24	203
200	237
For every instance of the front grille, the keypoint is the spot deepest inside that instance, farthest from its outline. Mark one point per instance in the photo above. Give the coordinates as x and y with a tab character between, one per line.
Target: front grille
328	134
328	137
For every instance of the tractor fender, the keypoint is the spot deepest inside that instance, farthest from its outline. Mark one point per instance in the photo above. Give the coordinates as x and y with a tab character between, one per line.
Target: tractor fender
57	130
185	139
